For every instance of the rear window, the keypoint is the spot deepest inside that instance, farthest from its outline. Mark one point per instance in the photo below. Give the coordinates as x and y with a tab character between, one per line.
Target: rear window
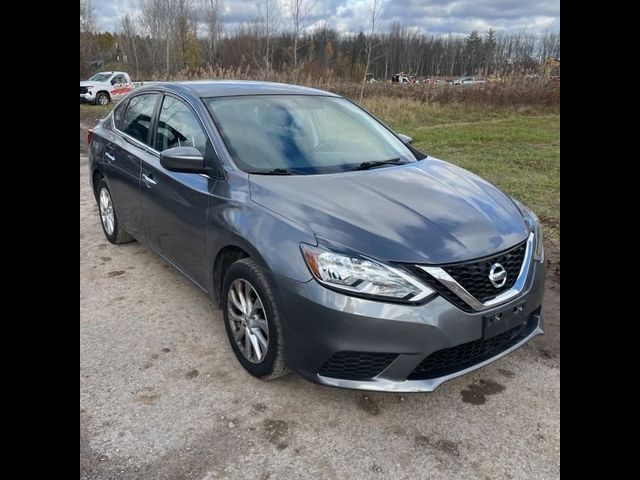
118	113
137	118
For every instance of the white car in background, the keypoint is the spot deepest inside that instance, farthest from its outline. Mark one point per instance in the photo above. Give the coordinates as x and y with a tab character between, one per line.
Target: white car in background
468	81
104	87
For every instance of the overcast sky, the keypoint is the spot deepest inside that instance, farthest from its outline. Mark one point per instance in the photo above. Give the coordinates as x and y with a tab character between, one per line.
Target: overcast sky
430	16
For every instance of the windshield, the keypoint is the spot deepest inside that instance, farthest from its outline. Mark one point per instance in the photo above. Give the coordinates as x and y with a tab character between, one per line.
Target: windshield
300	134
100	77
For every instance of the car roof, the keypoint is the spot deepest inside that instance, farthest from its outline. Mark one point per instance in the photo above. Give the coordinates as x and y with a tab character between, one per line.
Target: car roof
228	88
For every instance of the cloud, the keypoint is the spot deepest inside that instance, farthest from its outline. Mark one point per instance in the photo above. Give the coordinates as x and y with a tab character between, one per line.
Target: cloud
429	16
106	14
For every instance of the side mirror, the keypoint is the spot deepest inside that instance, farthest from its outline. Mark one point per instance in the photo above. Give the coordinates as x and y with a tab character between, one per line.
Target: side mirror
405	138
183	159
113	82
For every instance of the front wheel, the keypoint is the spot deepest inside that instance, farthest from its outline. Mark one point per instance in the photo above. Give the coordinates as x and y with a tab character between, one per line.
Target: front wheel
253	321
102	98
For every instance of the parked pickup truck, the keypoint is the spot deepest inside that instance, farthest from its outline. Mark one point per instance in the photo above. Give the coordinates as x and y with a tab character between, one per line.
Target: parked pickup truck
104	87
468	81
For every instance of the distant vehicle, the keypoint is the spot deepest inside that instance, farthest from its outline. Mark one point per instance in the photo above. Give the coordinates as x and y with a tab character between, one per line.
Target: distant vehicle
468	81
552	69
433	81
403	78
104	87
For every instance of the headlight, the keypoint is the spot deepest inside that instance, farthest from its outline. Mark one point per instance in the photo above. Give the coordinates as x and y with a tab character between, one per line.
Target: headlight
533	222
361	276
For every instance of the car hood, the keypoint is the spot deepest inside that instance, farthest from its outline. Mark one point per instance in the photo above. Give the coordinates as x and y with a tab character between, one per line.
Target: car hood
88	84
424	212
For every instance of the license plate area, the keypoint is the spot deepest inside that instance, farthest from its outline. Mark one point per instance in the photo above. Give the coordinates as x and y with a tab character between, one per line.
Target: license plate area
503	320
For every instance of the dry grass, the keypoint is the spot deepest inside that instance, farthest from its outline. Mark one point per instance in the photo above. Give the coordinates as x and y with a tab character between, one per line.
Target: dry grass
509	91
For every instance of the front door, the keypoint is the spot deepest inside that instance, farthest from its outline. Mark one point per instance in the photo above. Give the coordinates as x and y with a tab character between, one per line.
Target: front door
120	86
174	205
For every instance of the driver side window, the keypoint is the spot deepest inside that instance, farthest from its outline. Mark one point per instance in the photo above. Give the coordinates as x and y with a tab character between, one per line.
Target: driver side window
178	127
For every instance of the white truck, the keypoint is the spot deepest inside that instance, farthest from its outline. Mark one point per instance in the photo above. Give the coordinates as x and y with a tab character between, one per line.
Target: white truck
104	87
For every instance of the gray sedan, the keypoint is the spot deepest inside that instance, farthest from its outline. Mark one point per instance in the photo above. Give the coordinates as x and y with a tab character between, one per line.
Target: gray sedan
333	246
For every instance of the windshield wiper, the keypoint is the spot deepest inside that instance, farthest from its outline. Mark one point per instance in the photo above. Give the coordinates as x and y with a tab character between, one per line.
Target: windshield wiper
377	163
275	171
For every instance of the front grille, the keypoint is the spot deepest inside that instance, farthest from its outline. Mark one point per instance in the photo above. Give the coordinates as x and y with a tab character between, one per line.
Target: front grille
474	276
83	90
454	359
357	365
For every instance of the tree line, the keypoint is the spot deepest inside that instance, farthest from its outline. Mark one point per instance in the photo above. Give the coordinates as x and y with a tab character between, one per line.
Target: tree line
169	36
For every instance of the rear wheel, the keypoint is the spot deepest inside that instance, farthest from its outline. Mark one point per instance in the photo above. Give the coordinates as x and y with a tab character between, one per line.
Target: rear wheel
108	217
252	320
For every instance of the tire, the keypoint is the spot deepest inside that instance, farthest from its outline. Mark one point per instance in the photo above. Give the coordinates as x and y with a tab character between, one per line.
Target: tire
108	217
272	365
102	99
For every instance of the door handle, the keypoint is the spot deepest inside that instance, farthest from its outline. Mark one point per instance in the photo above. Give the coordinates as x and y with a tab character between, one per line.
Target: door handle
109	156
148	179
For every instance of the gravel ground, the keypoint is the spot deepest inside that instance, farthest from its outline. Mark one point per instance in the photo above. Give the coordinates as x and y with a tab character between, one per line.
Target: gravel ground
163	397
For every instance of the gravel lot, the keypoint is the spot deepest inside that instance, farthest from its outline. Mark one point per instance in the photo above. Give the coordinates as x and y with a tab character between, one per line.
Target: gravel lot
163	397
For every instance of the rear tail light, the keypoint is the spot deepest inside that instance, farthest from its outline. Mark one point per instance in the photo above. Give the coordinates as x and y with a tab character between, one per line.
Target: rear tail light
89	136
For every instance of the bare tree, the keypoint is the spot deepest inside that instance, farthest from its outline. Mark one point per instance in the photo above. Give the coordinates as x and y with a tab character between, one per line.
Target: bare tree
259	47
248	40
183	15
375	11
213	11
87	29
166	13
151	22
87	17
128	25
299	10
157	18
269	13
550	46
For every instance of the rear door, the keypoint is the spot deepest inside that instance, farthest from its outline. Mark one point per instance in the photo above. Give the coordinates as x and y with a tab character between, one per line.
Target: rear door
123	158
174	205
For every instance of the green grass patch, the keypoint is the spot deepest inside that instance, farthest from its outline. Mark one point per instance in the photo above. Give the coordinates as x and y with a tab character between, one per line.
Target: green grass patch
90	114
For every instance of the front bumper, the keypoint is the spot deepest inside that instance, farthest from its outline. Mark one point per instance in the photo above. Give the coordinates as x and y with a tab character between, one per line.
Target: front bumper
87	98
321	322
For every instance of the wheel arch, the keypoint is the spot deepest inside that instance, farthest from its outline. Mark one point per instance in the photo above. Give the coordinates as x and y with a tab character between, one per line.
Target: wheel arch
226	255
95	178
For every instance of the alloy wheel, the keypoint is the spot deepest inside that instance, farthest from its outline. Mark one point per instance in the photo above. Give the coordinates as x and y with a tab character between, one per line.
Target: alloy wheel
248	320
106	211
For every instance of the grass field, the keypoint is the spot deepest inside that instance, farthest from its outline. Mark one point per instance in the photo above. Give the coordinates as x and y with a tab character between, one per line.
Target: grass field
90	114
517	149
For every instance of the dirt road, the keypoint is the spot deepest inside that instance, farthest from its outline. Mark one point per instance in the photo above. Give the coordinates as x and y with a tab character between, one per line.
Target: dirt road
162	396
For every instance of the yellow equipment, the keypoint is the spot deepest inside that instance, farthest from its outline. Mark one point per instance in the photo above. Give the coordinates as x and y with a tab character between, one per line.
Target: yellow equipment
551	67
